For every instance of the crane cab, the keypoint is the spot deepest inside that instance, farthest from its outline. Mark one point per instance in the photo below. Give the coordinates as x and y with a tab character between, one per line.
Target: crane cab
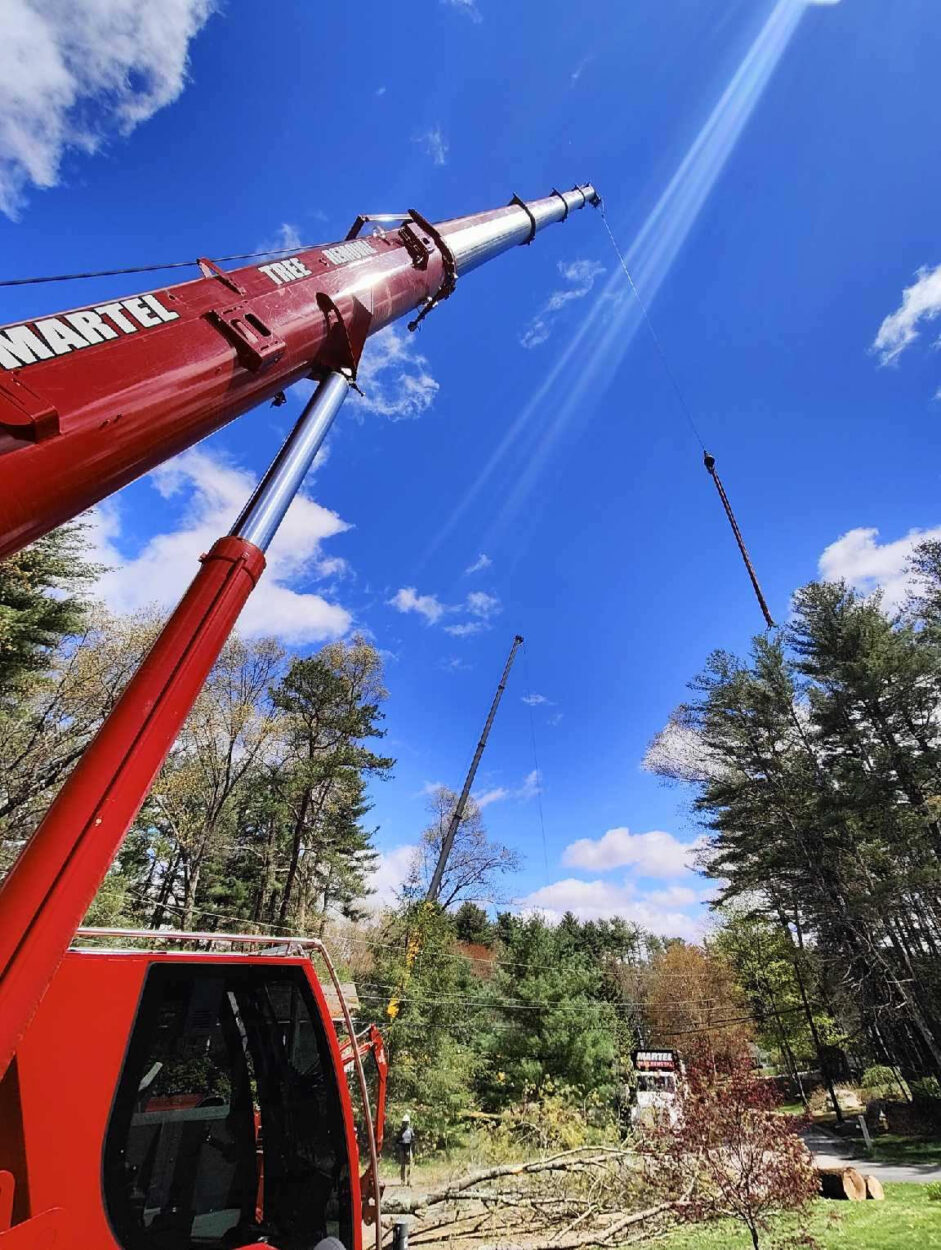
169	1100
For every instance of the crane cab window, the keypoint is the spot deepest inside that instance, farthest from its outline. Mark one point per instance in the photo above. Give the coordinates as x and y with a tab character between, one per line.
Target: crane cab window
227	1128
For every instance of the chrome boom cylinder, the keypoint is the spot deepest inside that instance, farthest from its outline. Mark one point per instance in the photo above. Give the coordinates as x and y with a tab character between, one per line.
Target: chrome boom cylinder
475	240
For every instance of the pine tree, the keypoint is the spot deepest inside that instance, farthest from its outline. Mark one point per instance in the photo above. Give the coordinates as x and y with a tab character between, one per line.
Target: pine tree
42	602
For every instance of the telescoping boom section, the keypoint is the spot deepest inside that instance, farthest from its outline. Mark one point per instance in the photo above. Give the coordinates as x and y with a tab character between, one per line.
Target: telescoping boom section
168	1099
92	398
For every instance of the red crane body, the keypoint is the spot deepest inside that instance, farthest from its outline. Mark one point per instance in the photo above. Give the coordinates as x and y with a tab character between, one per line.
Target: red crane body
151	1100
91	399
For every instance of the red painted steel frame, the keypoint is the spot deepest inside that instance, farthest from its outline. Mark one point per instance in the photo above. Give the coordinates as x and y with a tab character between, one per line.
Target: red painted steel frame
57	874
68	1069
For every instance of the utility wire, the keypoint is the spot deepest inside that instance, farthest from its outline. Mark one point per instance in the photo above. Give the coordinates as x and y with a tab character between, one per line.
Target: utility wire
170	264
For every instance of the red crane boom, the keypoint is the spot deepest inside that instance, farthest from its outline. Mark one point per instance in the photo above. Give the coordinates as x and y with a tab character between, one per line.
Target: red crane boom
89	400
92	398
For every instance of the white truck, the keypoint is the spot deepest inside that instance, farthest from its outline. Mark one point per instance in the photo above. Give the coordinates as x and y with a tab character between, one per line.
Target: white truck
658	1075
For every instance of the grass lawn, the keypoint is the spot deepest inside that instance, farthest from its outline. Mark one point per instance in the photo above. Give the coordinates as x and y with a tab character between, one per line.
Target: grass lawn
792	1108
907	1220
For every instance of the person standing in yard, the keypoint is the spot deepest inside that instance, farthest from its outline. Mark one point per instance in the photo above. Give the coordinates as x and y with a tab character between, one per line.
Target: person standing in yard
405	1149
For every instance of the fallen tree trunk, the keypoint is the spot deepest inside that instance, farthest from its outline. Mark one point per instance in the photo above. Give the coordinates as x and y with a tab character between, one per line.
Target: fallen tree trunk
874	1188
841	1183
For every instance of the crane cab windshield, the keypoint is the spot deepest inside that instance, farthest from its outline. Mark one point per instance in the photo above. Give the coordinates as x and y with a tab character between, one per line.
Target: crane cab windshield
227	1128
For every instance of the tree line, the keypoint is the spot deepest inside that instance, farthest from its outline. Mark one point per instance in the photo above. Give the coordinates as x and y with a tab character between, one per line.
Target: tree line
815	763
260	812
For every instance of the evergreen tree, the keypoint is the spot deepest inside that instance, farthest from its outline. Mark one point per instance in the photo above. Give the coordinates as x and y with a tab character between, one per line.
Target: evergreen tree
42	602
548	1024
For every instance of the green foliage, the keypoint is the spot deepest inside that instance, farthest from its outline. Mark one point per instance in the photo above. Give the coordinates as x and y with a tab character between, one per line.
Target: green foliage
817	767
926	1091
546	1023
432	1056
933	1191
41	603
879	1081
471	924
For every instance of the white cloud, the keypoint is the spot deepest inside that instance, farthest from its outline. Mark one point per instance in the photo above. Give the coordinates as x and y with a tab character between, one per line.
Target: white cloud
496	795
530	786
287	238
434	144
381	90
482	562
595	900
866	564
213	493
536	700
395	378
467	7
390	874
453	664
407	599
466	629
74	73
920	302
654	854
673	896
581	276
479	603
479	606
579	69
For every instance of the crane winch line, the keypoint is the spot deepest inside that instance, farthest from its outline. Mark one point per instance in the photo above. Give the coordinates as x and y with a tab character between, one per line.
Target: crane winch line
417	937
447	842
708	460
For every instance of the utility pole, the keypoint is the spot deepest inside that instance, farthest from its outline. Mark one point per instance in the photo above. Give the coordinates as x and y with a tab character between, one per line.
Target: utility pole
457	815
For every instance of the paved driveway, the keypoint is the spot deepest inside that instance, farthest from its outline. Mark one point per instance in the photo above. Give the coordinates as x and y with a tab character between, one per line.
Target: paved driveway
831	1151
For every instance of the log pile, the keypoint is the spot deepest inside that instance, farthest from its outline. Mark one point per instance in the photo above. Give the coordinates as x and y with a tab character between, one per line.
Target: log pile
848	1185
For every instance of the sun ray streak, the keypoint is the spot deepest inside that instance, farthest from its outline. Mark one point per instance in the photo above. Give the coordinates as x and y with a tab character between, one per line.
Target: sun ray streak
563	400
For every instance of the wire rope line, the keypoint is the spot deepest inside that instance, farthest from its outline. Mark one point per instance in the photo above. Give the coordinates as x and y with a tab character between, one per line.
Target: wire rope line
170	264
708	460
532	733
661	351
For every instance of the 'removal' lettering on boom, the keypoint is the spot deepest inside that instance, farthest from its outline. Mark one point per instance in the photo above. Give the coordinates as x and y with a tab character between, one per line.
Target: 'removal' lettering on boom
57	336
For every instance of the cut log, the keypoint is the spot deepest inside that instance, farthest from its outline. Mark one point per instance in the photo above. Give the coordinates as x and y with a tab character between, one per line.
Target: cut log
845	1184
874	1189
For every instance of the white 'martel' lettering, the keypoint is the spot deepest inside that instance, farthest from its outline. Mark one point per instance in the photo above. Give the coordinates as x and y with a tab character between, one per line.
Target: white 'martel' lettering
354	250
57	336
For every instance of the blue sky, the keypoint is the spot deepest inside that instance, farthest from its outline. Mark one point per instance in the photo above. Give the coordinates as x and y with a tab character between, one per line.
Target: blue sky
766	167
